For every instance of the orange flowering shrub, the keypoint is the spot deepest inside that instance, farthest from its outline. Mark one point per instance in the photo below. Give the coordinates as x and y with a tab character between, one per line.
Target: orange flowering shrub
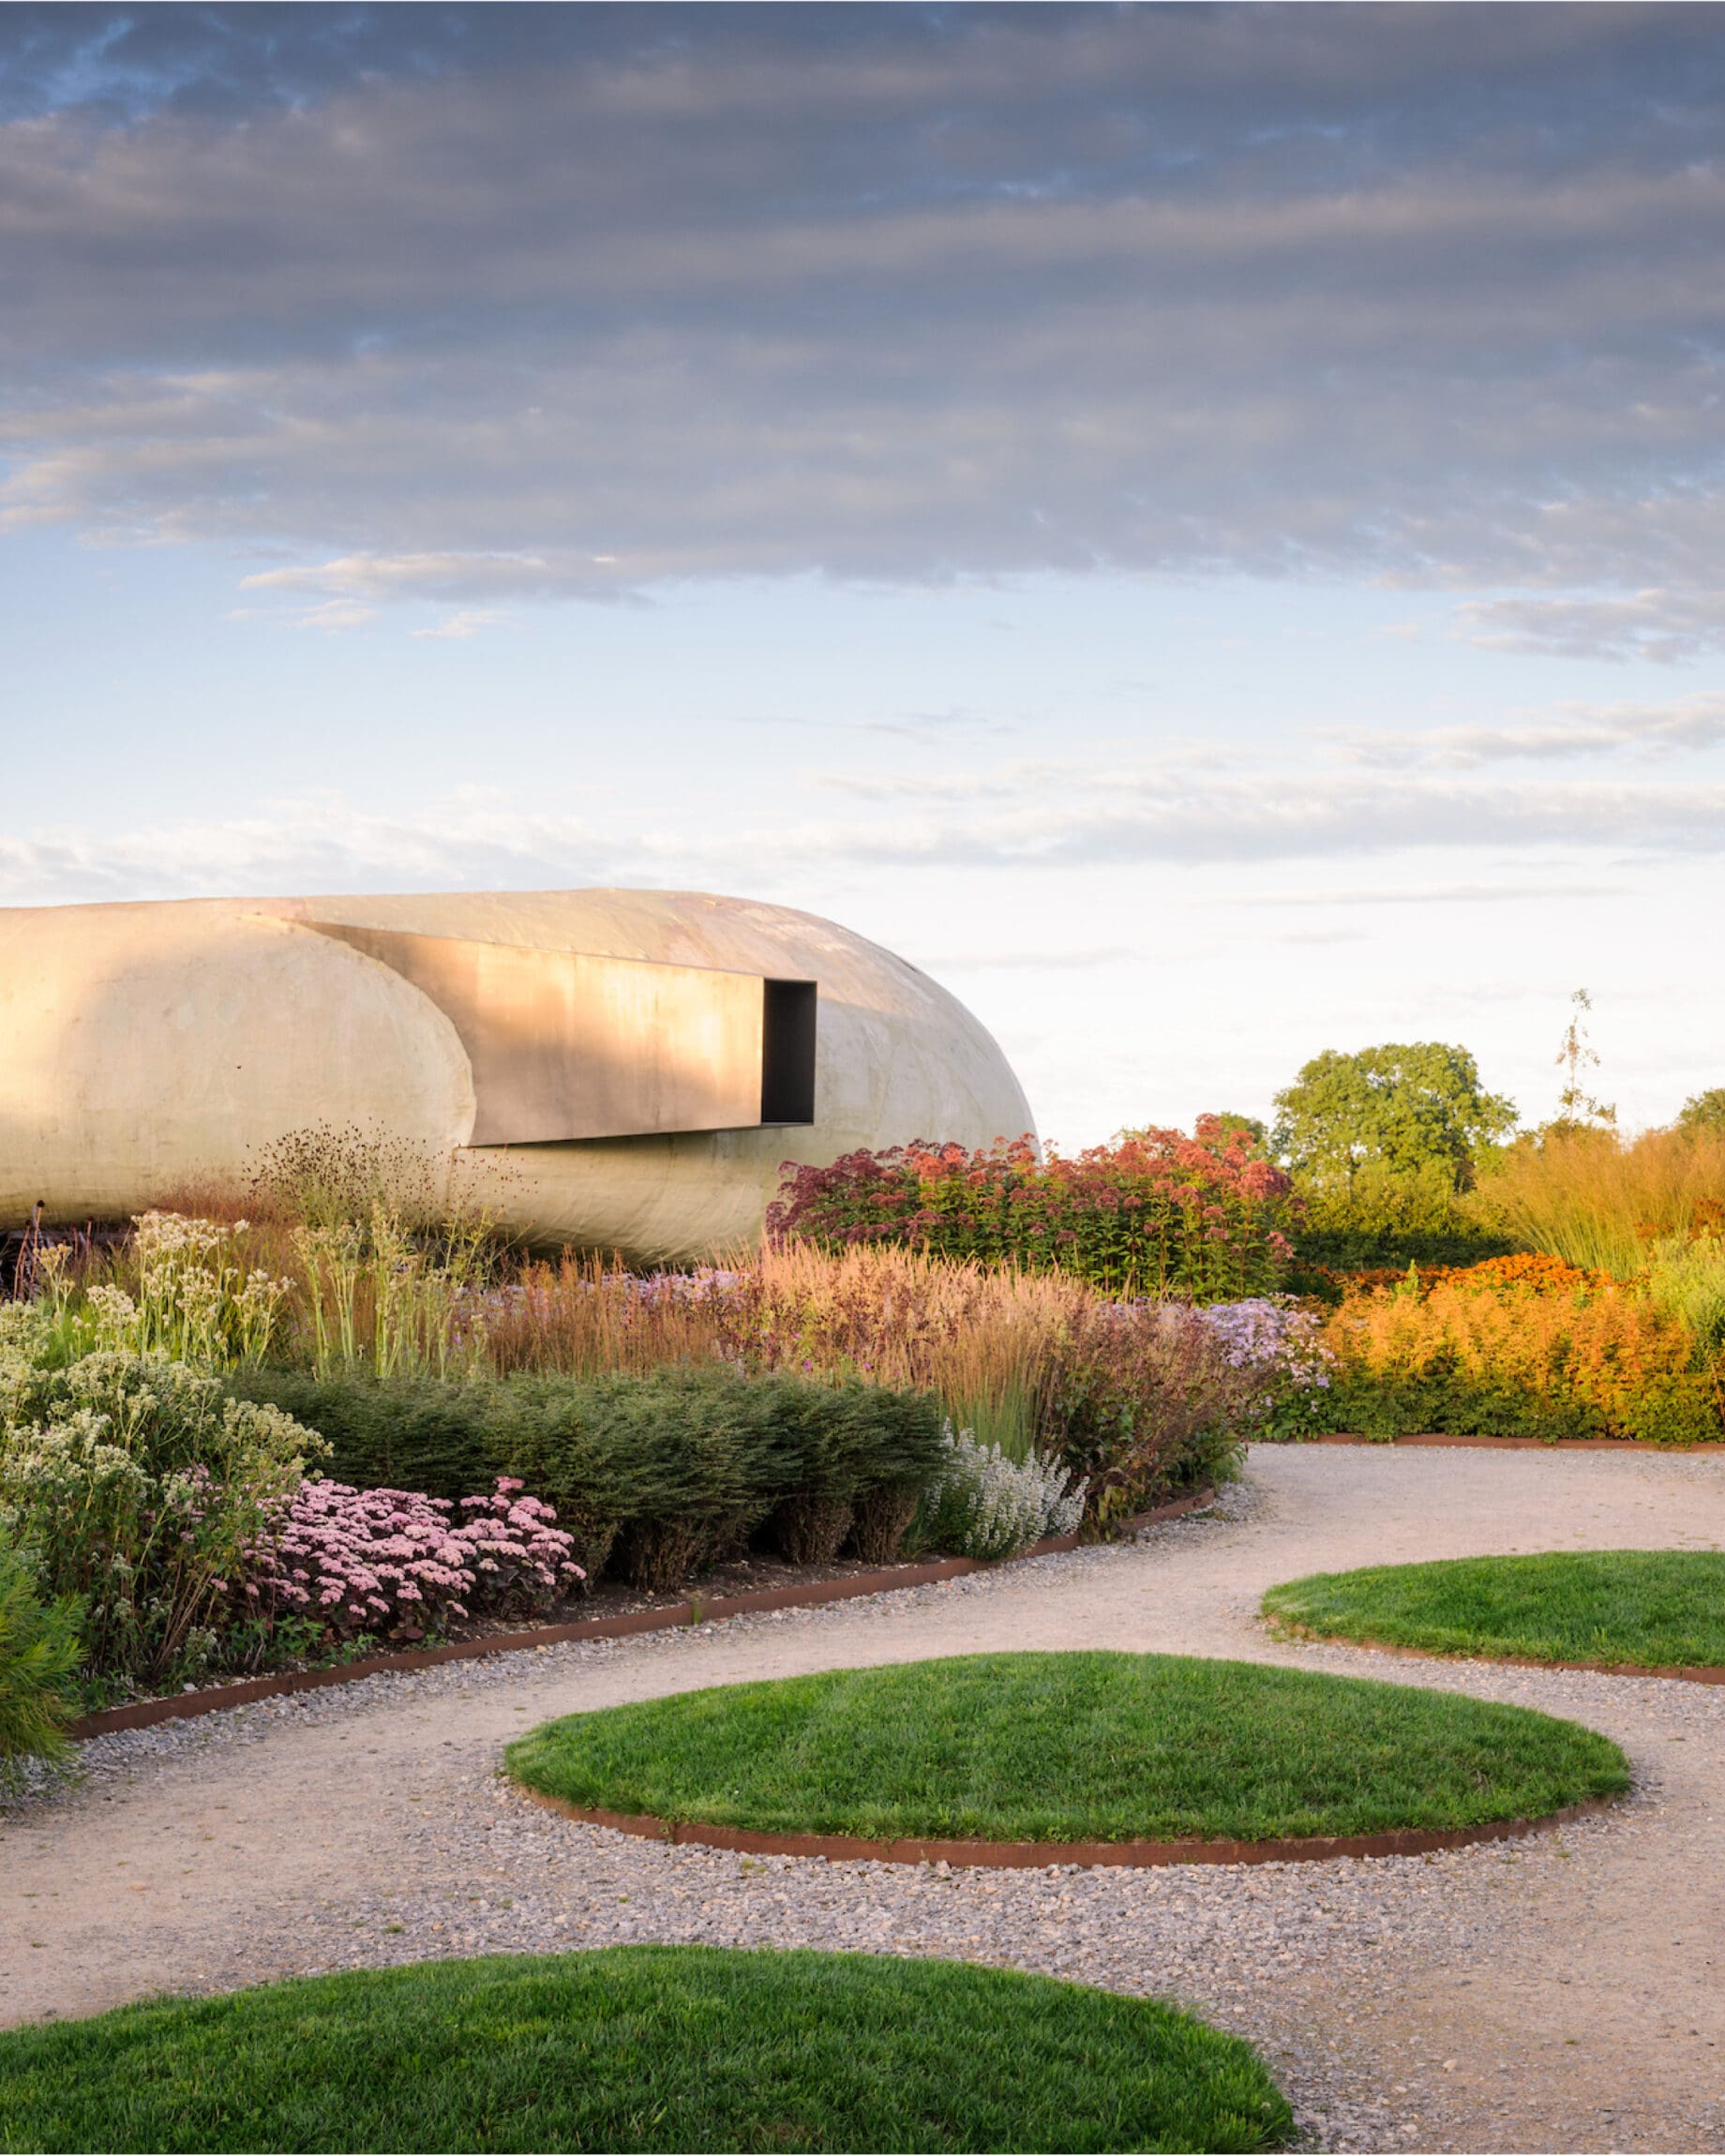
1532	1269
1535	1270
1518	1347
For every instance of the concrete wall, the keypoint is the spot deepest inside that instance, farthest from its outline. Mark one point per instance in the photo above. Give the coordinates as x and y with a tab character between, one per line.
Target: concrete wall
144	1046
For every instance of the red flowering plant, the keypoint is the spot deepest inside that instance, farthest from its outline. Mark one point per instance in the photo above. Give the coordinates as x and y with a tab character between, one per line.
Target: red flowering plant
1155	1213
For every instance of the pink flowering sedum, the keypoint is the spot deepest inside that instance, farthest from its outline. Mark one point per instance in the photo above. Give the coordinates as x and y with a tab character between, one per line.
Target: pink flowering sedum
375	1560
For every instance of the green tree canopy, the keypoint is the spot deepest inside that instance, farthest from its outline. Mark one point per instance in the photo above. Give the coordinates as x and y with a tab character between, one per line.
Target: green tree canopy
1403	1107
1703	1111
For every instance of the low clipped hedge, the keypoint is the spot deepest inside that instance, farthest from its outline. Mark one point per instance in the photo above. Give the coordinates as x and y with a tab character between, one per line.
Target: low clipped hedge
664	1472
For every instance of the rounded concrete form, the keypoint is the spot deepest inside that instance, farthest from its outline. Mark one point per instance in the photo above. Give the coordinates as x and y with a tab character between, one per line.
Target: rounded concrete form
619	1069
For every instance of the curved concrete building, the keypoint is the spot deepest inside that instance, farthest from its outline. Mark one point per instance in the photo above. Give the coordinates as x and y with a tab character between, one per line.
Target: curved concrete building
638	1062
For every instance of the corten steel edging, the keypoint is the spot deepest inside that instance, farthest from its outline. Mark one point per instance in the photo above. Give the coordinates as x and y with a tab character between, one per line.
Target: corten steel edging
1519	1444
669	1616
1035	1856
1692	1673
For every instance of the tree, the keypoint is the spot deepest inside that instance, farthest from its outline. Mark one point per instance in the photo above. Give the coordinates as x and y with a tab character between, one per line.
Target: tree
1412	1109
1703	1111
1575	1104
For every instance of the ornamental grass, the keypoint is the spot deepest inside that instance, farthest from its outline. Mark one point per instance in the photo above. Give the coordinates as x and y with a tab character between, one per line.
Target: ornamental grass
1143	1398
1599	1200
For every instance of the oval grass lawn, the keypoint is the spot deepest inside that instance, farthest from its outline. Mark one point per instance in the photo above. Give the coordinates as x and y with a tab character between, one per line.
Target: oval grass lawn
1070	1747
643	2047
1664	1609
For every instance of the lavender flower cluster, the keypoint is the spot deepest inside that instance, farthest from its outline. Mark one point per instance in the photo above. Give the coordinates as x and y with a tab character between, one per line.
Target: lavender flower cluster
1273	1335
375	1560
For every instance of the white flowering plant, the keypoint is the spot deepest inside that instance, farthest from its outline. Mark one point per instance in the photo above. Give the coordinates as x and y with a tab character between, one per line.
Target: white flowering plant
134	1484
982	1504
194	1300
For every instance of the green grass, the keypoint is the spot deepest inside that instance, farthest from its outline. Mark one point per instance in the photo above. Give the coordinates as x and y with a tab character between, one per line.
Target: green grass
644	2047
1071	1747
1664	1608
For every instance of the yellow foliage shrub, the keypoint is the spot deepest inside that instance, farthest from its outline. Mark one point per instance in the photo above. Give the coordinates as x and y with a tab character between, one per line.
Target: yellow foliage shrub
1521	1351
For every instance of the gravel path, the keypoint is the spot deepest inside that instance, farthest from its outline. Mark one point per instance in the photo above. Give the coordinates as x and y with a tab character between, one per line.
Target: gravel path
1561	1993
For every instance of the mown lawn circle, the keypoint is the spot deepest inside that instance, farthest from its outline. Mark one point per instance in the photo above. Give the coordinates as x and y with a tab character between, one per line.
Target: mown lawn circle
1655	1609
1070	1749
644	2049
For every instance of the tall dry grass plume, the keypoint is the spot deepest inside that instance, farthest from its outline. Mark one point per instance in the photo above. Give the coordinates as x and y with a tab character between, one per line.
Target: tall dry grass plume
1585	1195
1023	1359
985	1340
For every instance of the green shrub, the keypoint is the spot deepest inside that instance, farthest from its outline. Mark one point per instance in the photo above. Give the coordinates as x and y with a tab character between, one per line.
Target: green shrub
1150	1402
1686	1278
39	1661
684	1464
409	1432
673	1467
1384	1216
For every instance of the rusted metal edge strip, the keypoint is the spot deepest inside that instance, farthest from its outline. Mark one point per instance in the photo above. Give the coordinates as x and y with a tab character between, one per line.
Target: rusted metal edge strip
1695	1673
669	1616
1515	1443
1028	1856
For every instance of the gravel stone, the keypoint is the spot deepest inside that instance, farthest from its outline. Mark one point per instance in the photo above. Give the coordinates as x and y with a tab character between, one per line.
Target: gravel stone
1560	1992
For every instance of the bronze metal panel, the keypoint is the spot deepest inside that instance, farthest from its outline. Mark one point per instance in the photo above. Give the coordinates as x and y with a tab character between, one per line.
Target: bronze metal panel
569	1044
1030	1856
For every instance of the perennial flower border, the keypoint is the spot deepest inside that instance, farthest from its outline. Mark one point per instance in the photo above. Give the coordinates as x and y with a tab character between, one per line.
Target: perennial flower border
667	1616
1154	1212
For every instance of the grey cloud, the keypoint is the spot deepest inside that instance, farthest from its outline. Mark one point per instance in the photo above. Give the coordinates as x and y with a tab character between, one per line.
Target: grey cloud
1574	730
324	844
1172	818
1665	626
470	305
1429	894
1051	821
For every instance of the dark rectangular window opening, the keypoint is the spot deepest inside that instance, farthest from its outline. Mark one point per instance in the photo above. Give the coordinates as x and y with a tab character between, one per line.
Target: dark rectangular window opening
788	1053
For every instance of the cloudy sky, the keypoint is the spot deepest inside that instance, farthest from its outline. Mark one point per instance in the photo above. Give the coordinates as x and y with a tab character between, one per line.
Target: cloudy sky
1200	526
